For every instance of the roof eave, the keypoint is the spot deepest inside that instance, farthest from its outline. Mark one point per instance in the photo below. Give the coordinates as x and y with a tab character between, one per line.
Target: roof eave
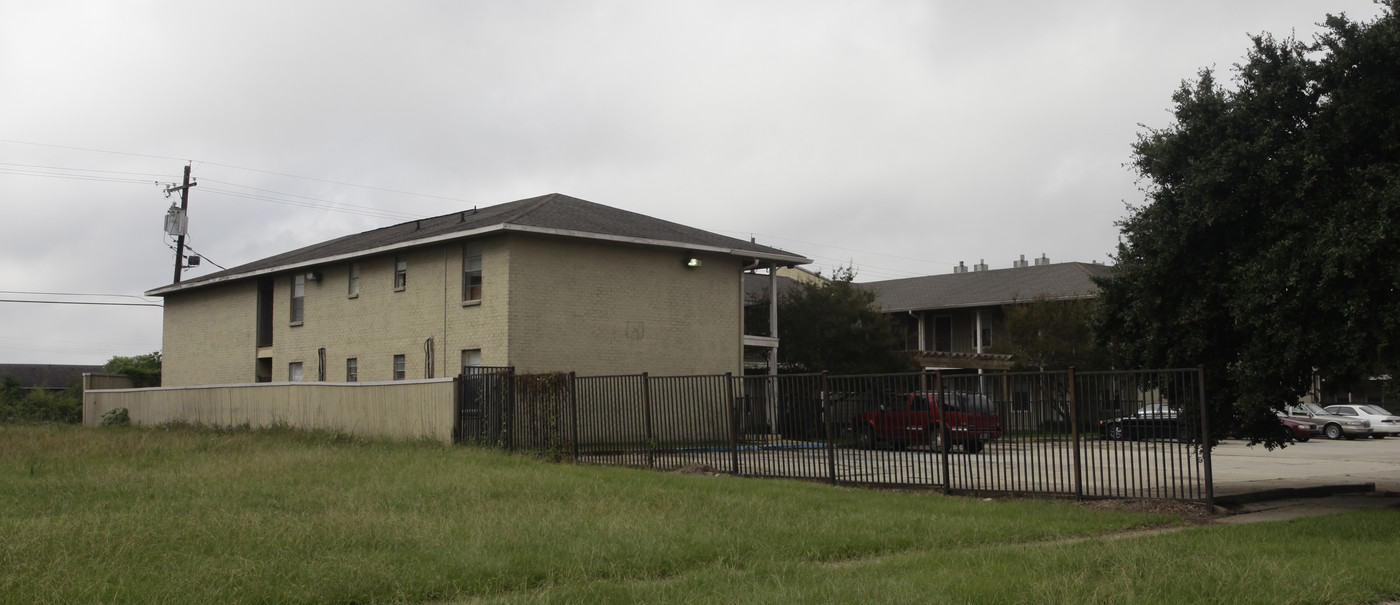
784	259
997	303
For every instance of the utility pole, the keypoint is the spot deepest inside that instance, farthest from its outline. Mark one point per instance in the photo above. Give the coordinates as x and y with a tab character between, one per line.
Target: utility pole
184	206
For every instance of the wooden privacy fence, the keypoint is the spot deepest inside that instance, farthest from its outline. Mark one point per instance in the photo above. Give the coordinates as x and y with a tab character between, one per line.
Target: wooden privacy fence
1088	434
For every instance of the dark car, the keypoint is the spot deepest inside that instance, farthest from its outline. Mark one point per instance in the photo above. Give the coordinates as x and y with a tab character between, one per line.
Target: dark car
970	420
1152	421
1300	430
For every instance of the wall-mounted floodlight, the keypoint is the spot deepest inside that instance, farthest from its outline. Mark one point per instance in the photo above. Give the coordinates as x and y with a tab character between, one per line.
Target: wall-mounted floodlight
693	262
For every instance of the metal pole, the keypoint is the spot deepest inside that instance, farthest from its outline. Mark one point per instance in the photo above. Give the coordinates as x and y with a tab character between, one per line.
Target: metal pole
1205	444
733	423
573	413
943	444
1074	431
646	417
184	207
830	436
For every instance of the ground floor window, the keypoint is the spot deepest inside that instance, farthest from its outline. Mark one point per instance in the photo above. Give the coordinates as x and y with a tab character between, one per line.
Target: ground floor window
400	365
352	370
471	358
294	371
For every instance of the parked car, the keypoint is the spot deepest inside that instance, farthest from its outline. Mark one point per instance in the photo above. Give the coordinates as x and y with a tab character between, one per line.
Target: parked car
1300	430
1155	420
1335	427
1383	423
913	418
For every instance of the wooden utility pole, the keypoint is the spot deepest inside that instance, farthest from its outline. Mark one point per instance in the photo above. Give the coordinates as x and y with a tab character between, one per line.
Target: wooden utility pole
184	207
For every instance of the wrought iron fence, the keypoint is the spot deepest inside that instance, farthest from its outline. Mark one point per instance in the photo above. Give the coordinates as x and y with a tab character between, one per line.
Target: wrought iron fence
1087	434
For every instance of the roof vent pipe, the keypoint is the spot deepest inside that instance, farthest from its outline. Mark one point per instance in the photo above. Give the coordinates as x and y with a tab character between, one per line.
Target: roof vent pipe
961	268
1043	260
981	266
1020	263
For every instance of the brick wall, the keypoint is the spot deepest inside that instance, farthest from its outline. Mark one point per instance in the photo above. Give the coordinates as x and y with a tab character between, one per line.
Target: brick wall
548	304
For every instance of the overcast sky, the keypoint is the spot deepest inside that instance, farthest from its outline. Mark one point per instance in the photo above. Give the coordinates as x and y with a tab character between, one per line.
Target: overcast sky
900	137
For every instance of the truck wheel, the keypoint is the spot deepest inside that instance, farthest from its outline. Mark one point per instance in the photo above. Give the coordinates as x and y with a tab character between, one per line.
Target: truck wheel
973	446
935	440
1333	431
865	438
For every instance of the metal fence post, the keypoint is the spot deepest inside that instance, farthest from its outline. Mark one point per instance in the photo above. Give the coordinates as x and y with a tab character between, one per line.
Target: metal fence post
733	423
457	428
944	438
1074	432
1205	438
830	435
646	418
573	413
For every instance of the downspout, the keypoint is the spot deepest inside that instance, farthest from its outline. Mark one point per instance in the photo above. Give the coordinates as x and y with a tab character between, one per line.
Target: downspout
743	306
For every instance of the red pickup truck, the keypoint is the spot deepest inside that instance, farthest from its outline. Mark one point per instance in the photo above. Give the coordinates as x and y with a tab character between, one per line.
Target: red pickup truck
913	418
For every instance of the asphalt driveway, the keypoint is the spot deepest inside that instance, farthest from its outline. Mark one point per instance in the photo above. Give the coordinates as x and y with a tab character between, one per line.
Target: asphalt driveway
1240	469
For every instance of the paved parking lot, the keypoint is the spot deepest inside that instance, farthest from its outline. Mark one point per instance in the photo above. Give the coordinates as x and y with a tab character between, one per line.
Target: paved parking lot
1132	469
1240	469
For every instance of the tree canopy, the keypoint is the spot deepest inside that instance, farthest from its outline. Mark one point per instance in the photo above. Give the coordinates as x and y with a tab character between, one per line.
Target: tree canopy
833	326
1269	246
143	370
1046	334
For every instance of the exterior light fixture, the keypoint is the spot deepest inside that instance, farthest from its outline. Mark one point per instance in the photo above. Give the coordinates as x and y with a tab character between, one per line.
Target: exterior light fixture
693	262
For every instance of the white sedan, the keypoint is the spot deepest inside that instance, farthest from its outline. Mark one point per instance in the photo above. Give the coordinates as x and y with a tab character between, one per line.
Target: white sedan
1383	423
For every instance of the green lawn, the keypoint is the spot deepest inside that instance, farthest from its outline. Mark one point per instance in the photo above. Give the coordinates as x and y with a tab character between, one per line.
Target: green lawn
189	515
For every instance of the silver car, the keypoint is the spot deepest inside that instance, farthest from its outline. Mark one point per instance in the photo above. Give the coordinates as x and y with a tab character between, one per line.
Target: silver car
1335	427
1383	423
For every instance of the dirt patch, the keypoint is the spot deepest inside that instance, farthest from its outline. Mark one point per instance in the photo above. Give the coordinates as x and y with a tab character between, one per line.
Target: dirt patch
1191	512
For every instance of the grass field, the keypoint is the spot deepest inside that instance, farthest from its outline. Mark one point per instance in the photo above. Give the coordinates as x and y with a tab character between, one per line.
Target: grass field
197	515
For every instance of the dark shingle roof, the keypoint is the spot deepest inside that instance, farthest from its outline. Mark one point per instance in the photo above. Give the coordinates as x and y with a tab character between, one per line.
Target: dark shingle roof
983	288
555	213
37	375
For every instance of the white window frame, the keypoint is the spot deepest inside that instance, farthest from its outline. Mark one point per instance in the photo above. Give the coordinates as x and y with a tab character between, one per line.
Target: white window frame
353	289
400	272
471	272
298	298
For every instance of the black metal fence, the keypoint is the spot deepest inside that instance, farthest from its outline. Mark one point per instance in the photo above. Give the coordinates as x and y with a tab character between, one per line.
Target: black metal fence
1087	434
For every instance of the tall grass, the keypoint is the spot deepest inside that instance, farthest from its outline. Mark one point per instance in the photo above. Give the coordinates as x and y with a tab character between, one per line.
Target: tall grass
197	515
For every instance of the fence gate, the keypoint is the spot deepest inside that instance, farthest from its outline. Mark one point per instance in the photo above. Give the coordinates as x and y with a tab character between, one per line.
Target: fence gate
483	410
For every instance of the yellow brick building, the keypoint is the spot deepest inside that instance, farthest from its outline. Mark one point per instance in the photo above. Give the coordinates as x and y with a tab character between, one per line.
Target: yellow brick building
552	283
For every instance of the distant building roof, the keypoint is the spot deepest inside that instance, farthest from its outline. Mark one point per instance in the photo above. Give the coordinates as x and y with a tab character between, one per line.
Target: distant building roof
1060	281
553	214
46	376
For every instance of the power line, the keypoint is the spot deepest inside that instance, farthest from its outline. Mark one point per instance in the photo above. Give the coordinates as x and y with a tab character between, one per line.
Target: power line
206	162
71	294
333	204
79	302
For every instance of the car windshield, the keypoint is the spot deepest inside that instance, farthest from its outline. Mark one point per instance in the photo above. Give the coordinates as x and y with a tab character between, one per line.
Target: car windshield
1314	408
973	402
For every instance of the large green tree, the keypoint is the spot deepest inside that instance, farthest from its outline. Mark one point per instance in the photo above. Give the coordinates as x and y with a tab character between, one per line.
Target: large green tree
143	370
1269	247
834	326
1046	334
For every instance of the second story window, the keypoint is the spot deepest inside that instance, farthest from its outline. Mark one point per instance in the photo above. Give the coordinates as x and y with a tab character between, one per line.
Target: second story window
400	272
471	272
298	297
354	280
